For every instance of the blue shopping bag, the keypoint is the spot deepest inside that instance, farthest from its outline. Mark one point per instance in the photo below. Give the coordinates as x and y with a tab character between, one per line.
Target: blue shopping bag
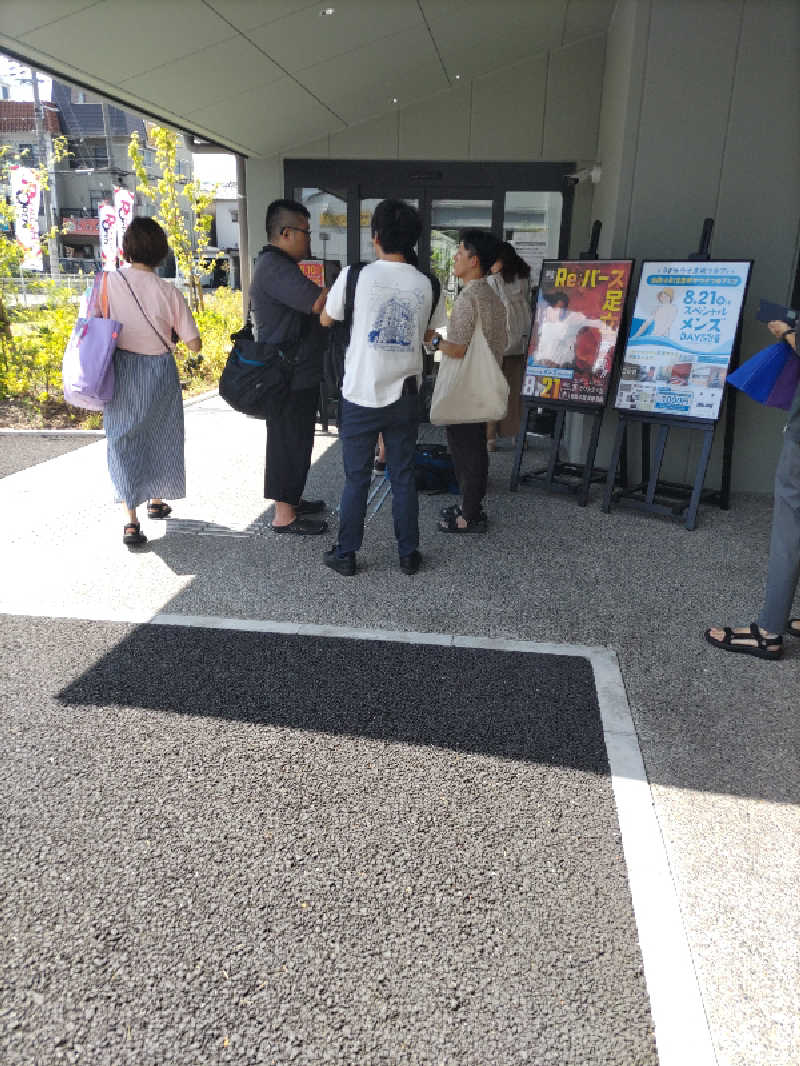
770	377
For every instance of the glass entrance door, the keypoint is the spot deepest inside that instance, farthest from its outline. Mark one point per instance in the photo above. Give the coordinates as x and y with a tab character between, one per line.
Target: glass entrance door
528	204
449	214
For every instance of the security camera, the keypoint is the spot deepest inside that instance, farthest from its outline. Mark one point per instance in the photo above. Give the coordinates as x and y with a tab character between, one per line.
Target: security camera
592	174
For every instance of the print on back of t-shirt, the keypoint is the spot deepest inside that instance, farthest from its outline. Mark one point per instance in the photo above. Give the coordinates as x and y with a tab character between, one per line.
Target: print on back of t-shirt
394	324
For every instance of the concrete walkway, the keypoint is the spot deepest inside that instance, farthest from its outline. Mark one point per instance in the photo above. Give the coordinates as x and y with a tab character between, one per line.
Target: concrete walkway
719	734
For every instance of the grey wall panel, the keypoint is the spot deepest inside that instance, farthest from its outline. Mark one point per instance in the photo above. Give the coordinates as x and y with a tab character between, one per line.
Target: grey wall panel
585	18
623	79
372	140
574	92
264	184
508	112
437	128
759	198
691	57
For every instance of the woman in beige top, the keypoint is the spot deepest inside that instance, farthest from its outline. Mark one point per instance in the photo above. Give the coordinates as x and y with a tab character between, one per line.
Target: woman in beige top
476	253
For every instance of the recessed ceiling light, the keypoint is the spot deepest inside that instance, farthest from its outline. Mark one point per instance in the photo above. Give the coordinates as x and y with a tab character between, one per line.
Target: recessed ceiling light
394	99
328	11
458	77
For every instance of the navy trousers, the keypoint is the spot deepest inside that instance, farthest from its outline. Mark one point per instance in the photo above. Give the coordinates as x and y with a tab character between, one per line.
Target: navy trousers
359	431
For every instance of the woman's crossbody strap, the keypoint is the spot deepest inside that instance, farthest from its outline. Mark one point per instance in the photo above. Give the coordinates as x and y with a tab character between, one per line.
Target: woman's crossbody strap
144	313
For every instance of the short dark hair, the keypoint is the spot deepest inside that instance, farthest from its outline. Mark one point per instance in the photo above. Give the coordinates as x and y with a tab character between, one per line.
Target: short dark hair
281	213
514	266
556	296
145	242
483	244
397	226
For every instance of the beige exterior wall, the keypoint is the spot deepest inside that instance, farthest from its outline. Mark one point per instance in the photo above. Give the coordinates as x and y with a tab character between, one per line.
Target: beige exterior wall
701	117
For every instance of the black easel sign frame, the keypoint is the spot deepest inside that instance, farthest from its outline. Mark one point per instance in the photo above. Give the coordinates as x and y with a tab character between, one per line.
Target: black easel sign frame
682	338
575	330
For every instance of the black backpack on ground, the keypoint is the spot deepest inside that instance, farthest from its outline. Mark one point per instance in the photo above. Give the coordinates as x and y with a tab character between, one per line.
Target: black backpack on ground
433	469
339	339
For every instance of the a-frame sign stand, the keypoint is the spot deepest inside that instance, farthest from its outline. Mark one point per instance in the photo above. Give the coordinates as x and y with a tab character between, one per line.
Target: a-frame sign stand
557	474
642	496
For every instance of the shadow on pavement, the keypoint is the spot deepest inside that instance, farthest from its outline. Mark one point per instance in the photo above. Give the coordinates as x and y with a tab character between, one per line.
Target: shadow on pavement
541	708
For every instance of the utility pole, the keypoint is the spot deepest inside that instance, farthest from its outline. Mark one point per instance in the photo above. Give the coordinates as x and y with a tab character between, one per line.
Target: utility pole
109	142
45	160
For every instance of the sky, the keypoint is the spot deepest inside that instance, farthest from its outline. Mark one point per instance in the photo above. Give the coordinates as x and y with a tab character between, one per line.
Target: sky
11	70
215	169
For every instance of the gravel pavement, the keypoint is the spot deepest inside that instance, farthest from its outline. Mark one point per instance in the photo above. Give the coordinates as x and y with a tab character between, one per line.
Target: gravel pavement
720	734
18	451
230	847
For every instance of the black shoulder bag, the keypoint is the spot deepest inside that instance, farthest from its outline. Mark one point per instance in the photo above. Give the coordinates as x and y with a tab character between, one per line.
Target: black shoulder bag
257	377
336	350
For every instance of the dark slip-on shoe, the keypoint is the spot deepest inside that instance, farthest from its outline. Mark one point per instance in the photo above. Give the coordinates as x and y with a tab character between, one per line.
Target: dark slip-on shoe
410	564
342	564
302	527
309	507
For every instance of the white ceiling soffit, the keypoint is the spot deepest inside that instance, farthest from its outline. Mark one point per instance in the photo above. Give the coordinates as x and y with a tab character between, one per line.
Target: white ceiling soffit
261	76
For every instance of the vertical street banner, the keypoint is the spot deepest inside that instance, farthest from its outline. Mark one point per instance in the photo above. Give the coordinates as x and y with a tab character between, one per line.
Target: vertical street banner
682	336
26	193
576	325
107	220
123	211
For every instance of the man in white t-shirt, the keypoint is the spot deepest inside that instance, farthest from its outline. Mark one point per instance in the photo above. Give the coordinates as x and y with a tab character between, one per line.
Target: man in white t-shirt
383	369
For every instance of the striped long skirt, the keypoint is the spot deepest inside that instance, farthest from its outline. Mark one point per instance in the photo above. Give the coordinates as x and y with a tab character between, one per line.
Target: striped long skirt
144	429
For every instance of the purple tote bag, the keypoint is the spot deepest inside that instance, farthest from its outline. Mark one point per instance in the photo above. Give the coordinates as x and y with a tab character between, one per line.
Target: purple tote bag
88	368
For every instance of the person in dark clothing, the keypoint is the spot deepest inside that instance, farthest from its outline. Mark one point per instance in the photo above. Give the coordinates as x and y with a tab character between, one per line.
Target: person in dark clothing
285	307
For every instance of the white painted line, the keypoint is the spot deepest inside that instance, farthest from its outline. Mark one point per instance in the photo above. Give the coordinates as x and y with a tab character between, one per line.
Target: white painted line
681	1026
679	1018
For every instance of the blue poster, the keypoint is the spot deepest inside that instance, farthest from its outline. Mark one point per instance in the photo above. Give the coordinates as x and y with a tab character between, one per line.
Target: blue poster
681	338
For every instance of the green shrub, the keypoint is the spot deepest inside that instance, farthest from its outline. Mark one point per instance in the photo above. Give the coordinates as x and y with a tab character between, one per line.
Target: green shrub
221	316
30	361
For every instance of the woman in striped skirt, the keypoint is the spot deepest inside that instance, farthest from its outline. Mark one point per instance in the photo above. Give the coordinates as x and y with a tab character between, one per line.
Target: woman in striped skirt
144	420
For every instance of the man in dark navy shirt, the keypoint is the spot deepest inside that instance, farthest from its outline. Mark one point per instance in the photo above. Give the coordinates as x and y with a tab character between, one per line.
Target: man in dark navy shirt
285	306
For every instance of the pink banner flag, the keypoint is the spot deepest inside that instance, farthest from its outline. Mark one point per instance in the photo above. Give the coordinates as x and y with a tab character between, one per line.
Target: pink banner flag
107	218
123	209
26	194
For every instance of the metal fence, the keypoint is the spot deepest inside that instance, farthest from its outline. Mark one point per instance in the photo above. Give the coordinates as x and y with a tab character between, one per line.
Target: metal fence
40	290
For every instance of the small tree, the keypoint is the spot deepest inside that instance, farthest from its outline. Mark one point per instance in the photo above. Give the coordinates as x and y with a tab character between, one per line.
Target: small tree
188	247
11	252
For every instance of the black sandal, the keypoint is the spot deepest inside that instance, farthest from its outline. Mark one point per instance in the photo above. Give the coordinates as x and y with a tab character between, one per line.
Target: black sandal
450	525
794	627
132	535
748	642
454	510
158	510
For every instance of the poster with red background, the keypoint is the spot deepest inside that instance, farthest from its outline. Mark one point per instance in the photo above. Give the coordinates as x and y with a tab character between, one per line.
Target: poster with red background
575	328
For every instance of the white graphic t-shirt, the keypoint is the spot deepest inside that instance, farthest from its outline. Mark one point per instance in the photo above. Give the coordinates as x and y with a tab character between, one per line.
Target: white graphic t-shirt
390	317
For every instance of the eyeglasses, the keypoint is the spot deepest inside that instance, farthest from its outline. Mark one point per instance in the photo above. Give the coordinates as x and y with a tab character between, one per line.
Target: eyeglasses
299	230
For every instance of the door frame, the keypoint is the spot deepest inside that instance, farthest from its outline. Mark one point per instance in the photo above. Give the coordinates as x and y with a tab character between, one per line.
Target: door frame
428	180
